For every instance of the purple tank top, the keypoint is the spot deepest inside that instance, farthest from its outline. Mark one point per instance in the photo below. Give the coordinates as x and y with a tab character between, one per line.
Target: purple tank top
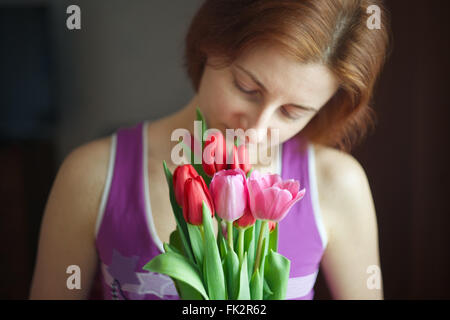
126	238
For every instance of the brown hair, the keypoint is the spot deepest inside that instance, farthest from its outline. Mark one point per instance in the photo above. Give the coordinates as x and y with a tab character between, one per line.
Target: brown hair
331	32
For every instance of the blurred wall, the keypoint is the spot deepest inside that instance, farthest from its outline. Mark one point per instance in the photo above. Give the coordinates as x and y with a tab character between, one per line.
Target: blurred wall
407	160
123	66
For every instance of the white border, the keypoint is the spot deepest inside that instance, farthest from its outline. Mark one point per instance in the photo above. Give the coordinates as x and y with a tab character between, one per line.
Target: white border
315	195
112	159
148	205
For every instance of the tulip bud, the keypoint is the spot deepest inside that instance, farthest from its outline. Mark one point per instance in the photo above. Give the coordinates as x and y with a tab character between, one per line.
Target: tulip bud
195	192
247	220
272	226
215	154
180	175
229	193
241	159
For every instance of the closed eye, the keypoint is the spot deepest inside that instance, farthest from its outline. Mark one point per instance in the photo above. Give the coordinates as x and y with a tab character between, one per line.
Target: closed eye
288	115
250	92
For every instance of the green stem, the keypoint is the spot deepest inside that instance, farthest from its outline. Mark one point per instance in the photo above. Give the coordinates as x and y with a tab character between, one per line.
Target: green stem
230	234
260	241
241	244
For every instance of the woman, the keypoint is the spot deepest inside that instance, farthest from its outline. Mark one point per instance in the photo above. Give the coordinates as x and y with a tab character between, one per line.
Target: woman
306	68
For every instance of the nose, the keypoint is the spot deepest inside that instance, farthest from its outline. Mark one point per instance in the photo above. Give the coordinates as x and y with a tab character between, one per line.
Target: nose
259	123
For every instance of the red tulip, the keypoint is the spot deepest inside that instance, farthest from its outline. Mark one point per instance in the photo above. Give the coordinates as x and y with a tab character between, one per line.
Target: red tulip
247	220
215	154
241	158
195	192
180	175
272	226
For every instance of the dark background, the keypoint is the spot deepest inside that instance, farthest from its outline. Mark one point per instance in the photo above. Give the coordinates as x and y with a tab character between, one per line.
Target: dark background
60	88
406	158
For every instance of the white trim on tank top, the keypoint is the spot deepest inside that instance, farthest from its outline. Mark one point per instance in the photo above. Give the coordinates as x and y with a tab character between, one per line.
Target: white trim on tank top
112	158
148	205
315	195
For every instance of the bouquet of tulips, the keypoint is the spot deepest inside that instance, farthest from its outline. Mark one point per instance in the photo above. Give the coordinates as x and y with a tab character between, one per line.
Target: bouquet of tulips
240	262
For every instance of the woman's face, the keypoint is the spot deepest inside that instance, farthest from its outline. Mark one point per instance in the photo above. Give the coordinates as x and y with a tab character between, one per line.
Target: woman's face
264	90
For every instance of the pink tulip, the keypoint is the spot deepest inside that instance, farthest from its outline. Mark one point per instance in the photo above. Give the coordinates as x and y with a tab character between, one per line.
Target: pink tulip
229	192
271	197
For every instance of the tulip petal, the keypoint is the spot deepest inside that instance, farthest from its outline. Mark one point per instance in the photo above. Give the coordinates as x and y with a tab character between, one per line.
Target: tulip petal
277	198
272	179
291	185
230	194
288	205
256	197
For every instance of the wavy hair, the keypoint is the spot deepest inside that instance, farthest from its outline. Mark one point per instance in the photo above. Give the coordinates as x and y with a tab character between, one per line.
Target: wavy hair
331	32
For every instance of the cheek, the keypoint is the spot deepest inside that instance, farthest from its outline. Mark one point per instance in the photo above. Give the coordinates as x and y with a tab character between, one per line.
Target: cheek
287	131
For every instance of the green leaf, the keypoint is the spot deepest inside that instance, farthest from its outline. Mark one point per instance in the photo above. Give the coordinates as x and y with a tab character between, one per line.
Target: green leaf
256	289
175	241
231	269
277	274
186	292
273	239
265	246
249	247
215	279
177	267
198	164
196	243
250	172
223	246
201	118
263	259
267	293
170	248
235	237
244	286
257	227
178	213
221	241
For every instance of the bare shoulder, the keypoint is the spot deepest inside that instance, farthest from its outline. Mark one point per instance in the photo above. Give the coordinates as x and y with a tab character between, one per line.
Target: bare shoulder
341	183
87	166
350	219
67	235
92	156
336	168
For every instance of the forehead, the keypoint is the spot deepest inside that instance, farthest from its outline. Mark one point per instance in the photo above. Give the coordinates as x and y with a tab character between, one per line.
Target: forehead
283	76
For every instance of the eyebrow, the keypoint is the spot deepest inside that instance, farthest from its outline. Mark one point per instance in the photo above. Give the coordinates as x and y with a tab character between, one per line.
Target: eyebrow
254	78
